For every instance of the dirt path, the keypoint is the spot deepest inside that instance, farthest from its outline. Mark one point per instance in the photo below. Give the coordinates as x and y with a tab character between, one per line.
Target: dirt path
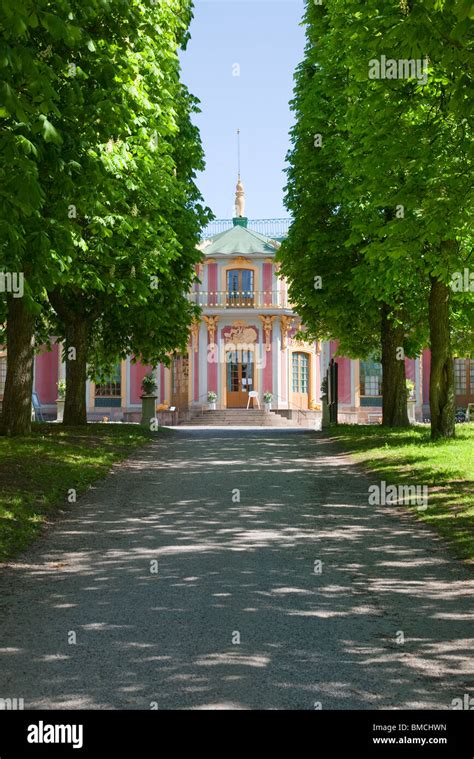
230	570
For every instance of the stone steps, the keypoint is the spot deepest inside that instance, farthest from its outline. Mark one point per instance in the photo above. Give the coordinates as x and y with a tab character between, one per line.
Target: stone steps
240	418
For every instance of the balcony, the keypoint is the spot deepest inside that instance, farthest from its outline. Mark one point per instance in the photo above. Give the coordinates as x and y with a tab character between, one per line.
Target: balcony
274	228
257	299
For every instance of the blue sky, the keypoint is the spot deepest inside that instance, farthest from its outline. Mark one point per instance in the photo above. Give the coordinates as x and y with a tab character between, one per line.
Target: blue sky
266	40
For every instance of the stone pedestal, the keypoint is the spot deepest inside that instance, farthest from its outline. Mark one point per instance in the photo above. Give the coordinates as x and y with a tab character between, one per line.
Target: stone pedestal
59	409
148	409
325	417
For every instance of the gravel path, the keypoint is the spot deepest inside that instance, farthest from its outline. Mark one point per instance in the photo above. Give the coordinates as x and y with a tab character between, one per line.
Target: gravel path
230	570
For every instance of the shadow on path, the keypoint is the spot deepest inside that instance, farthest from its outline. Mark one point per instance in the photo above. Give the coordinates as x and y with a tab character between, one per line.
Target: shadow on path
228	569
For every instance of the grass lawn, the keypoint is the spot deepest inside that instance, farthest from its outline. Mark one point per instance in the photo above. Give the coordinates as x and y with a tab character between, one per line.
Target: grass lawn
408	457
37	471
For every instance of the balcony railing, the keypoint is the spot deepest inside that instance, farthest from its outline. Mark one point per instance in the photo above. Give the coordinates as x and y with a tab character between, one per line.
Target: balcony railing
245	299
269	227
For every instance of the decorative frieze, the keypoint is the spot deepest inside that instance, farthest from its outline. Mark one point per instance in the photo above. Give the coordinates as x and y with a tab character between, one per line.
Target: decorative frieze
241	334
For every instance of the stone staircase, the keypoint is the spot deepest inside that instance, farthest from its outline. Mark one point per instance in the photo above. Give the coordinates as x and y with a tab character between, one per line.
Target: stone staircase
239	418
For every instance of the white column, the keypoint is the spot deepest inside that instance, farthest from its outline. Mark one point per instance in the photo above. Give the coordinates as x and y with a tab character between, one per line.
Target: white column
353	383
325	358
314	390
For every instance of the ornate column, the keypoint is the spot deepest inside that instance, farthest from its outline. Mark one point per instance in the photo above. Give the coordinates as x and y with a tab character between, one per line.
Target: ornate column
194	361
286	323
211	322
195	336
212	372
267	329
267	368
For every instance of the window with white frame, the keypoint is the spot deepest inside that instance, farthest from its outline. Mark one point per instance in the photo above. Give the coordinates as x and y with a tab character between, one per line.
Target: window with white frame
460	376
370	378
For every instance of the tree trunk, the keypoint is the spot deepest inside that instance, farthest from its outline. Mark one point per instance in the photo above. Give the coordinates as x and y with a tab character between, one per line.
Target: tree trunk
394	390
75	410
20	330
442	393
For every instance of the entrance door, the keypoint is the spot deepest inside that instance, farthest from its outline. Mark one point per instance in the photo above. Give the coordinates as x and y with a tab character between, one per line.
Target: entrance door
300	379
239	377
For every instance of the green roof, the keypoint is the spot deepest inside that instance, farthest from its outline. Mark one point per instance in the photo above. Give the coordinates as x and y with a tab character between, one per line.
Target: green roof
240	241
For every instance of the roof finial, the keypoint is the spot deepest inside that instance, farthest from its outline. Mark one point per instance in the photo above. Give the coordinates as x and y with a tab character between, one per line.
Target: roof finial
239	199
239	219
238	153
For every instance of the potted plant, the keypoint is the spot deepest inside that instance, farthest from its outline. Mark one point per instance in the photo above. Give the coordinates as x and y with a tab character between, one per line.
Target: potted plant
211	400
148	399
411	400
267	401
61	385
149	384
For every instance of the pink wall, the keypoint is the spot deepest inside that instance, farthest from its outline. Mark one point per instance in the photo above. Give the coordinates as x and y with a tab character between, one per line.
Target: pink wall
212	281
344	373
46	374
426	375
410	368
344	379
137	372
267	283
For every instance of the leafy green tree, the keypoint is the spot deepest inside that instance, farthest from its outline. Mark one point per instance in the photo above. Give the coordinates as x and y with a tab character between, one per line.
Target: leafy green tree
412	154
117	213
28	104
327	270
395	165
